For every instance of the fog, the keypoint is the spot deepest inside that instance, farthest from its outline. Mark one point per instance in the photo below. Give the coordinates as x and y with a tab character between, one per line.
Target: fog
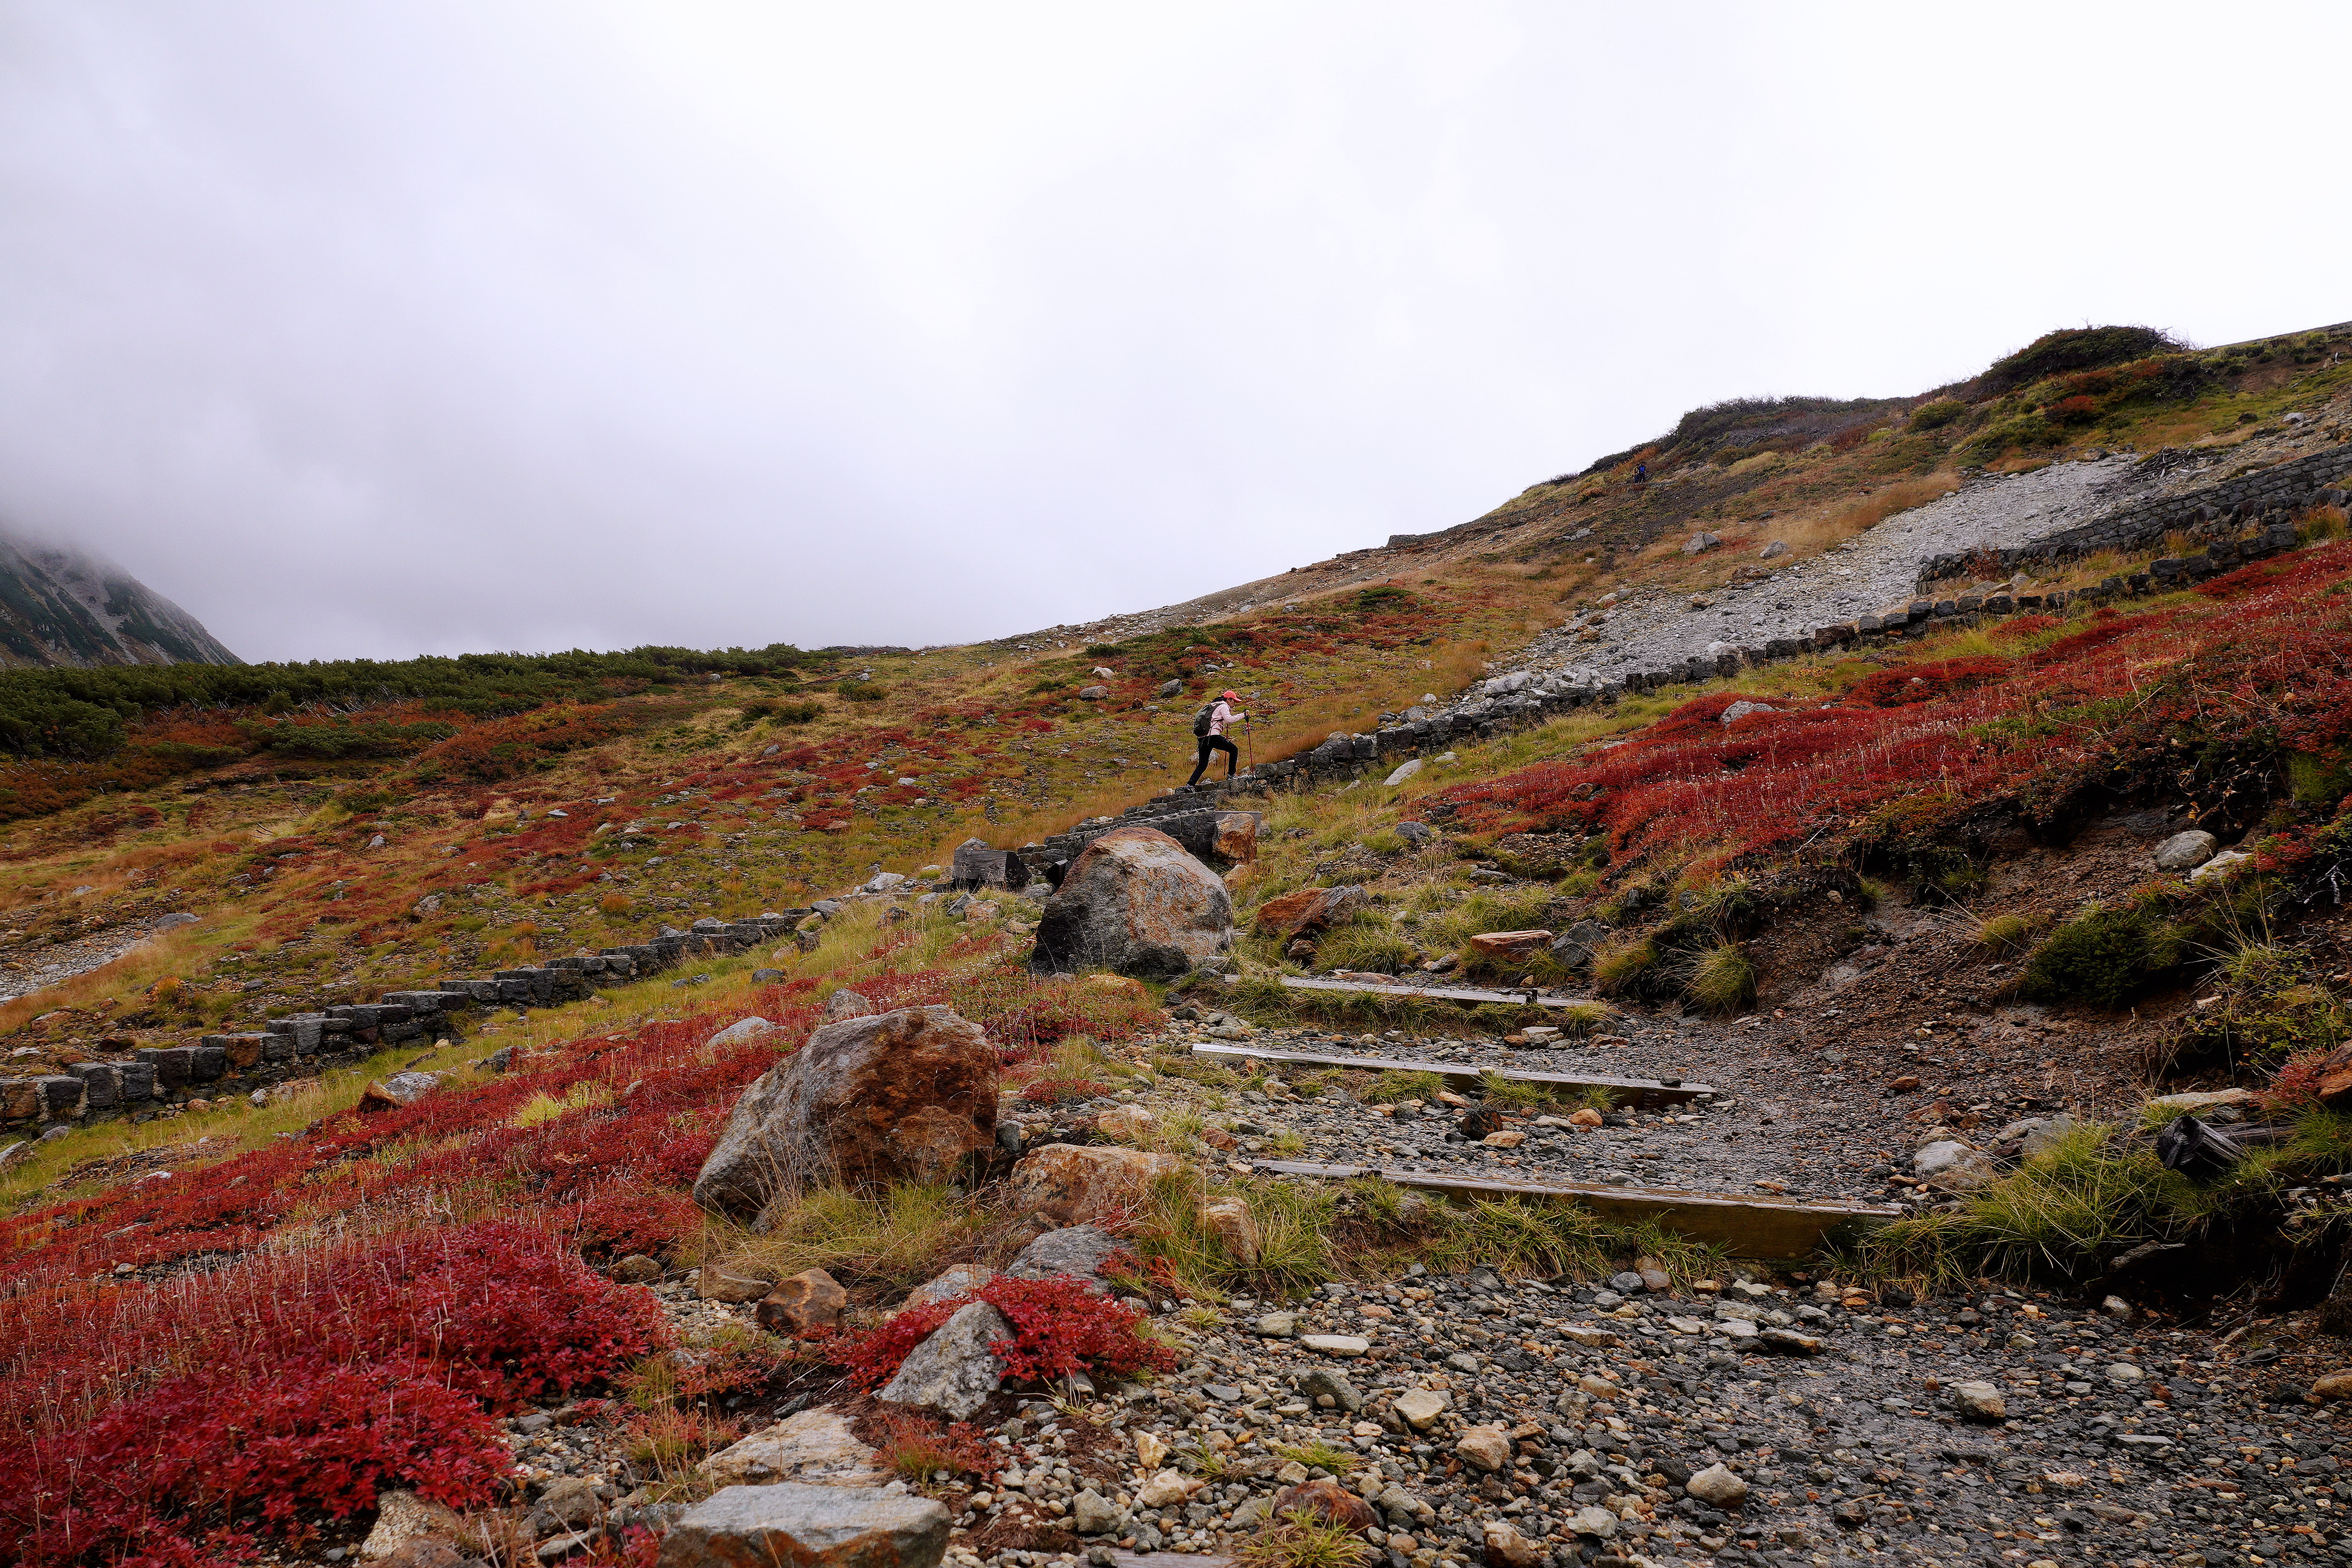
377	330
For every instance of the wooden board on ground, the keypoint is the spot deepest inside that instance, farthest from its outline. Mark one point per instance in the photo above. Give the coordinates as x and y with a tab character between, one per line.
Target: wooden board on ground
1742	1226
1435	992
1643	1091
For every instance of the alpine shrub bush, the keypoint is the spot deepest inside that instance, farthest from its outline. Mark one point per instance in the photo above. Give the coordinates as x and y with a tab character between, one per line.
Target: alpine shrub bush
2103	956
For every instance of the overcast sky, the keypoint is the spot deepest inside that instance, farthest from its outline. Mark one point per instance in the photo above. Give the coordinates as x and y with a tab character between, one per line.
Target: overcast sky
386	329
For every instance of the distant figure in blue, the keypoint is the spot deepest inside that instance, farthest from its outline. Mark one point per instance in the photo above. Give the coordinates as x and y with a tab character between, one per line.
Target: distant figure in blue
1641	473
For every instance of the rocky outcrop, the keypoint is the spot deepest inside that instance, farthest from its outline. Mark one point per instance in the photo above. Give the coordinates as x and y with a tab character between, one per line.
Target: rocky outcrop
907	1096
1134	902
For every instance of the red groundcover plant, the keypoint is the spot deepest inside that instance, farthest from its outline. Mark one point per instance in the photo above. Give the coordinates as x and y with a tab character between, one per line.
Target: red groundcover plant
1060	1325
291	1387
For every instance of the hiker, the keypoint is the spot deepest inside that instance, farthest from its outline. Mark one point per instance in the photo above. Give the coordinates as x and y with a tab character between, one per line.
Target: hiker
1209	729
1641	473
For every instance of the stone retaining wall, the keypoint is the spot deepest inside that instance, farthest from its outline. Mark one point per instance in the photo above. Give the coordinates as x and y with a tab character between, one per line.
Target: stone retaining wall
303	1044
2215	511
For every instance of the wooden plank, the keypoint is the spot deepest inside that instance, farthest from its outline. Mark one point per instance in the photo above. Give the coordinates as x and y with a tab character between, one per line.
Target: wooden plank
1742	1226
1526	998
1648	1090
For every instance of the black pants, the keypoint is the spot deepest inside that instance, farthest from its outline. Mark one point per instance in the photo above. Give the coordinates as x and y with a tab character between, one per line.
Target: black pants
1212	744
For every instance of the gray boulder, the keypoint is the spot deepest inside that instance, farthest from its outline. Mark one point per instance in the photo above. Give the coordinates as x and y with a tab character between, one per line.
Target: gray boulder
2184	850
1135	902
1078	1250
1575	946
956	1369
1323	1380
792	1526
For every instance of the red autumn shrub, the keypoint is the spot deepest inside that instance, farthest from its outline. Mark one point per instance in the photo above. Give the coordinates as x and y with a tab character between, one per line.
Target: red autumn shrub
240	1442
874	1360
1060	1325
623	1220
507	1314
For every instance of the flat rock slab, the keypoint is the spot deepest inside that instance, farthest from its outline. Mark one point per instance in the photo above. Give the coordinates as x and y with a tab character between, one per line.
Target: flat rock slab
1172	1560
1646	1089
1336	1344
1744	1227
790	1526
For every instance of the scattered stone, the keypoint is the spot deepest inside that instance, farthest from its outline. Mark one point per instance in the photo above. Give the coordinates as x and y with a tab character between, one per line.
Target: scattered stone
1717	1488
638	1268
1405	770
1091	1513
401	1089
1343	1345
1323	1382
2220	864
808	1300
2184	850
1484	1448
1419	1409
1979	1401
1077	1249
959	1279
716	1283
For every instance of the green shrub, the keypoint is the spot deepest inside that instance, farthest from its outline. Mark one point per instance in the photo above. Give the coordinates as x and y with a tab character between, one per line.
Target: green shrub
2008	933
2103	956
1936	414
1720	979
862	690
1620	964
2316	781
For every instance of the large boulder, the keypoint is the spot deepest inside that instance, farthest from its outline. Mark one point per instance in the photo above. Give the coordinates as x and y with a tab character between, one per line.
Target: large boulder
1135	902
792	1526
1075	1184
906	1096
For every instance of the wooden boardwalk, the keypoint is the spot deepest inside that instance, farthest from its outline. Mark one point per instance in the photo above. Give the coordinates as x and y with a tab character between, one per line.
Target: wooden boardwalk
1760	1227
1643	1091
1525	998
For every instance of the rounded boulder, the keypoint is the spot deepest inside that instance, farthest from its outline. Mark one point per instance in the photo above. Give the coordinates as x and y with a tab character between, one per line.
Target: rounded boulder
1135	902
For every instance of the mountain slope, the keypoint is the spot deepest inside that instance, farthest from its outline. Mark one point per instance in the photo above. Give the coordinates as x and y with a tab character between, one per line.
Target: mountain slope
62	608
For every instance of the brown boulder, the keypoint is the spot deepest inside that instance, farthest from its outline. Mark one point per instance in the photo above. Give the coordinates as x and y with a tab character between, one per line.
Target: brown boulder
1328	1501
1237	838
1512	944
1309	909
1073	1184
808	1300
906	1096
1134	902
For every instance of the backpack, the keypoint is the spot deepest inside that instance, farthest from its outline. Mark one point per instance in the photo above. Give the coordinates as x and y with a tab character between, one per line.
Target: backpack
1201	720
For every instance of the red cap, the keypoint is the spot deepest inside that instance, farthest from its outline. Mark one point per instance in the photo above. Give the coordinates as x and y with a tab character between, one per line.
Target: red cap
1229	697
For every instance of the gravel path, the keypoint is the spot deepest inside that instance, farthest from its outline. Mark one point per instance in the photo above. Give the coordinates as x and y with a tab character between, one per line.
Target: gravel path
1876	570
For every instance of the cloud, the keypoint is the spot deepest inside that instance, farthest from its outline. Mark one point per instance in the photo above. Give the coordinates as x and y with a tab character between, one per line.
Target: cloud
378	330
